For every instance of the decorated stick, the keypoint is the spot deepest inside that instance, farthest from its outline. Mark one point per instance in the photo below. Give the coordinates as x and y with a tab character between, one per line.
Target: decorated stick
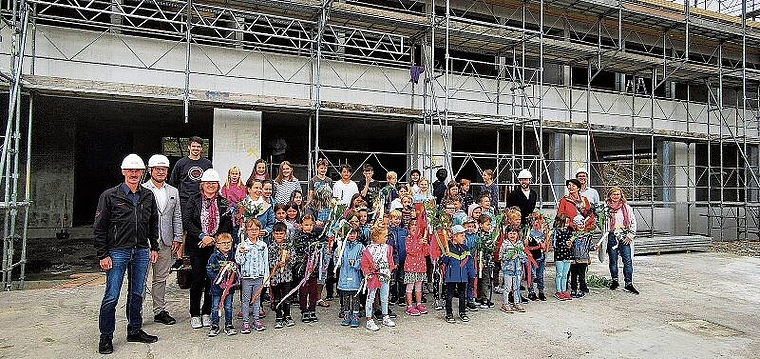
263	284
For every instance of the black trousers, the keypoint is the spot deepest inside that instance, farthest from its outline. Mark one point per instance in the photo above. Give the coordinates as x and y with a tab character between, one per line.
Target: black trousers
199	286
578	274
461	289
278	292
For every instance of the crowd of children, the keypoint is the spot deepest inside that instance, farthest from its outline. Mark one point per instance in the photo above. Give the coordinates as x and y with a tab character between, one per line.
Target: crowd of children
386	245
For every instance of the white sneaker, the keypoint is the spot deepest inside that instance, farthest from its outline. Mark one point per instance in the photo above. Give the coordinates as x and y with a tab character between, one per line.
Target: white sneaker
372	326
206	319
388	322
498	290
195	323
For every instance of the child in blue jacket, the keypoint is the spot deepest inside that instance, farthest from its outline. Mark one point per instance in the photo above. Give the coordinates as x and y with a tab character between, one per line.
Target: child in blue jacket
222	270
459	271
397	239
350	278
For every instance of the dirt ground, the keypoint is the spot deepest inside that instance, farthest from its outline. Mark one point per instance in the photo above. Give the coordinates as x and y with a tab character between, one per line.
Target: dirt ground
697	305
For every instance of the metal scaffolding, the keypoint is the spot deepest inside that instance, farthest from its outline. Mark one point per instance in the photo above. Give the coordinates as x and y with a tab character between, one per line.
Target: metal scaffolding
638	83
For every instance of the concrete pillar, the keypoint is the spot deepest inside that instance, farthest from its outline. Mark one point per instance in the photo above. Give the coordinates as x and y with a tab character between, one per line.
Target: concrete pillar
568	154
420	142
236	140
678	174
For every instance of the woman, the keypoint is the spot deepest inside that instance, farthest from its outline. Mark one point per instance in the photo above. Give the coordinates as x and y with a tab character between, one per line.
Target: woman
618	234
579	210
203	217
285	183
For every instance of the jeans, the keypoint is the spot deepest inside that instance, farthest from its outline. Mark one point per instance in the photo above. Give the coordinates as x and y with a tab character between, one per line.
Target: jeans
538	275
624	250
134	262
215	299
199	286
384	290
560	280
249	286
461	288
471	290
512	285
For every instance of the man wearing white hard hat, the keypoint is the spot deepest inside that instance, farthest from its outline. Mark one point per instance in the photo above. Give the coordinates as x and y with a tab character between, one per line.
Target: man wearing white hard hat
169	233
581	174
204	216
523	197
126	241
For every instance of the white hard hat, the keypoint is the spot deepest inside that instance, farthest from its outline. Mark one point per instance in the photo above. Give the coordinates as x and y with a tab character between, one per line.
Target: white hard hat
158	161
580	170
524	174
132	162
210	175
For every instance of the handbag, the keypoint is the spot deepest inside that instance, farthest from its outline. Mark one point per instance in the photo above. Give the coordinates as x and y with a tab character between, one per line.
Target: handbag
184	274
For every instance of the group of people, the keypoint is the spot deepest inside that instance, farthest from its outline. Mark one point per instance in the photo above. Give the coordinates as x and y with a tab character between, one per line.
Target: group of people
372	244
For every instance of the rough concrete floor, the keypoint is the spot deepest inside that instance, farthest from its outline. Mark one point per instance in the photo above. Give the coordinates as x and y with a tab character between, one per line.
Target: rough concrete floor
702	305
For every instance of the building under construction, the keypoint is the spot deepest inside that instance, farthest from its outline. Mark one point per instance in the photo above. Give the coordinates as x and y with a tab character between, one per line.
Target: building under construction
661	98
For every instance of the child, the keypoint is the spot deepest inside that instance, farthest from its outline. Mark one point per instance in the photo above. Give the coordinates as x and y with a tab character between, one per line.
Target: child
407	210
470	241
415	267
292	216
390	189
513	218
267	187
223	273
320	180
459	270
537	244
490	188
253	258
484	263
484	202
377	264
464	191
280	254
402	191
233	190
305	243
563	254
259	170
349	281
512	256
363	214
423	194
582	245
397	239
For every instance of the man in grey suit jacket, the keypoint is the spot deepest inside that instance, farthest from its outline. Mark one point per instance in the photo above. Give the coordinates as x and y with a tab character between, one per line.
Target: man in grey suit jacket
169	233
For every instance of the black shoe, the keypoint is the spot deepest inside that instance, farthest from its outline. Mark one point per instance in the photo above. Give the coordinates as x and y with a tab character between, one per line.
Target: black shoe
523	300
141	337
614	285
581	294
105	346
472	306
464	317
511	298
541	296
391	314
165	318
305	317
424	300
574	294
630	288
449	318
313	317
378	315
532	296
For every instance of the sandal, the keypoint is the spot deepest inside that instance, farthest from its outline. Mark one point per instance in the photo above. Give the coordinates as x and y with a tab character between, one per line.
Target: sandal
323	304
506	309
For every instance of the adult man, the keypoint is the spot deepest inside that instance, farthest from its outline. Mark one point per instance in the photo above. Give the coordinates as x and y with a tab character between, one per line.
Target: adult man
523	196
188	170
586	191
169	233
126	232
204	216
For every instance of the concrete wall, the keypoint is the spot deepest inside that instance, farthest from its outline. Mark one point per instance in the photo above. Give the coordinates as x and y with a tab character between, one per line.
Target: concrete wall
87	55
237	140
